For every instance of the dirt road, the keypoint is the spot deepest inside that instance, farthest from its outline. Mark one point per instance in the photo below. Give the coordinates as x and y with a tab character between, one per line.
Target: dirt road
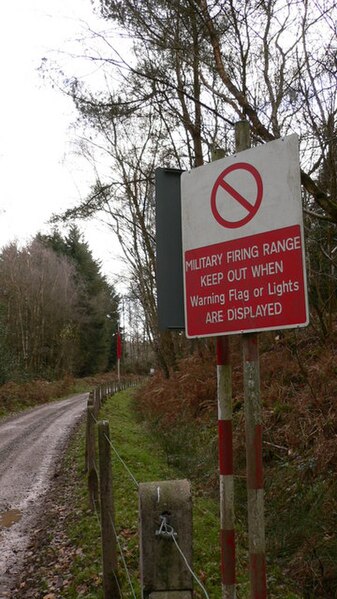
30	446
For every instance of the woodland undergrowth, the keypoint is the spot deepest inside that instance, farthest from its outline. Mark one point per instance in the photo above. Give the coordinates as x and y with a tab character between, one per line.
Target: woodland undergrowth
298	388
19	396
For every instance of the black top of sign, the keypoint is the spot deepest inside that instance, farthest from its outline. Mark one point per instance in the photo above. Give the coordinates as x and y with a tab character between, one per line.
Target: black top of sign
169	267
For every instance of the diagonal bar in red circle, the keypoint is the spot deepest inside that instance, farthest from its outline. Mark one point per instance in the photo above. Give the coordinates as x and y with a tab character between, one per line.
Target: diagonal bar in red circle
236	195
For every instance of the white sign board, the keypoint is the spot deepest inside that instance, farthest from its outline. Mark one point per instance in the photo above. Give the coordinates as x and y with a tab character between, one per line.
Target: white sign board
243	251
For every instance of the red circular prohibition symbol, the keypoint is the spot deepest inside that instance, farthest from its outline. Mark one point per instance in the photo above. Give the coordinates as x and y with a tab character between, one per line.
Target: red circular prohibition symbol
251	208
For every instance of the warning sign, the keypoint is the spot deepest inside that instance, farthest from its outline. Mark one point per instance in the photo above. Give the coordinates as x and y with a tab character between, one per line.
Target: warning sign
251	277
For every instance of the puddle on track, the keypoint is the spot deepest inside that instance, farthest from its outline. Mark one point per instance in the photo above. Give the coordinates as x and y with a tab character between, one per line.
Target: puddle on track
7	519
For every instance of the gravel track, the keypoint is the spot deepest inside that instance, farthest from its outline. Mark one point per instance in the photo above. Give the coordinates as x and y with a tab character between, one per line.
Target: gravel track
30	448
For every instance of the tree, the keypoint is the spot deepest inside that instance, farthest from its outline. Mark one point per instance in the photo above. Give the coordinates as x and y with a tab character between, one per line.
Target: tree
58	314
97	302
6	361
213	59
197	67
38	298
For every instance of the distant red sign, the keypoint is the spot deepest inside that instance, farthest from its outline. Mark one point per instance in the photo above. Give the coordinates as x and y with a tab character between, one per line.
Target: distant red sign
248	284
250	205
119	346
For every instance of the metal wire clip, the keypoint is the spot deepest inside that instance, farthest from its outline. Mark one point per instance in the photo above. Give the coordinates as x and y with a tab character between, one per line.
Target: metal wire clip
165	530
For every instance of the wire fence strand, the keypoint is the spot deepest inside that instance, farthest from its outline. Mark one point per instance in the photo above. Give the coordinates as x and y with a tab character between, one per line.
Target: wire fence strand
94	419
123	462
100	527
96	510
97	515
133	478
123	559
170	530
118	584
188	565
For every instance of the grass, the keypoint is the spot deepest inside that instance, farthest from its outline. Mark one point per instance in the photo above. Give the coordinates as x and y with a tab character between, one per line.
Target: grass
146	463
148	460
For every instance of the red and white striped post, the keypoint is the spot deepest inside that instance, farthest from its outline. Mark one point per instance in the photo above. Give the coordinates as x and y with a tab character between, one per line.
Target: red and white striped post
225	414
225	436
253	425
119	355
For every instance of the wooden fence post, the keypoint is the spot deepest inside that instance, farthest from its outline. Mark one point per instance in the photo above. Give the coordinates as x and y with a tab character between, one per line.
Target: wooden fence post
97	400
89	403
109	546
91	450
165	509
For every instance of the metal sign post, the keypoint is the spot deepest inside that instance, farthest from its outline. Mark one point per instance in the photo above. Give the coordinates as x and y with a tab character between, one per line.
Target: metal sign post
119	354
253	426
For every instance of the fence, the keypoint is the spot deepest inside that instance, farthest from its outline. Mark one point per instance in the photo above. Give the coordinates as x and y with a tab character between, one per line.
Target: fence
165	517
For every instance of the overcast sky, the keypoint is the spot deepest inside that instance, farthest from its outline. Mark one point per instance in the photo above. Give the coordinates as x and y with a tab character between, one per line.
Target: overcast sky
40	174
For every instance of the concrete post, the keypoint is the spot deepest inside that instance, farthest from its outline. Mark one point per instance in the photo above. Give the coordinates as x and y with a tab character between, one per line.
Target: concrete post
165	509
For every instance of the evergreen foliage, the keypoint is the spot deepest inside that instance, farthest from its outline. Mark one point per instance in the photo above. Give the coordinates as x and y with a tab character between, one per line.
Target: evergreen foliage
5	353
58	313
97	303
